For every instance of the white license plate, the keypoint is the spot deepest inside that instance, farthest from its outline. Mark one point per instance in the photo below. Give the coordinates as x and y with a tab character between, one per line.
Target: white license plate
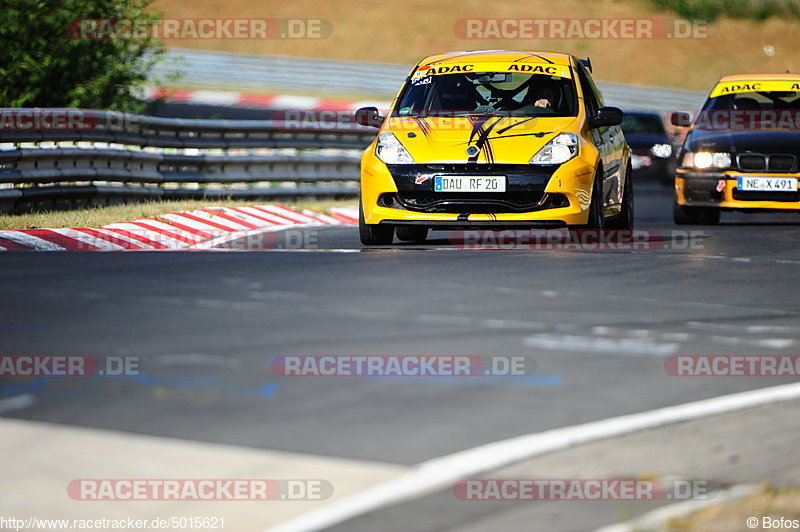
767	183
469	183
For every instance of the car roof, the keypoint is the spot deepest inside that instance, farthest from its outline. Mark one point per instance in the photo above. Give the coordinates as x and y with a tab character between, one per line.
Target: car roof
751	77
517	56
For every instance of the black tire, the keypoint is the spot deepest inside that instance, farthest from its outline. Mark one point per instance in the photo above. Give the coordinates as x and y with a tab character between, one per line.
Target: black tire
411	233
624	220
596	218
372	234
684	215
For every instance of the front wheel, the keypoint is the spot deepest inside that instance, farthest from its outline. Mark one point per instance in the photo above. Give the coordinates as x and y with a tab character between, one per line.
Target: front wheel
624	220
596	218
373	234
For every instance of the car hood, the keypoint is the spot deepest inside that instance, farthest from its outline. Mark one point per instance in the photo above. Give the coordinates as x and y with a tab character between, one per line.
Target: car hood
489	139
738	141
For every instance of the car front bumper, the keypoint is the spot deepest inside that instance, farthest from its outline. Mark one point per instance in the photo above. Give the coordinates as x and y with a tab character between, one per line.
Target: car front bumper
719	189
556	196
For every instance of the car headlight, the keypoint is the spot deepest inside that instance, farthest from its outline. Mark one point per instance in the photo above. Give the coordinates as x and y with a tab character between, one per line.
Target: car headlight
390	151
703	159
559	150
661	150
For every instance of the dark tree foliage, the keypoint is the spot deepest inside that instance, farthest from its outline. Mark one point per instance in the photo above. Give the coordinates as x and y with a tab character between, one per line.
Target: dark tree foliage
742	9
44	63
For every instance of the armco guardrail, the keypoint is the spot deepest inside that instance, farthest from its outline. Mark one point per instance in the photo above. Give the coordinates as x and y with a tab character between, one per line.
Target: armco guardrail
51	158
293	75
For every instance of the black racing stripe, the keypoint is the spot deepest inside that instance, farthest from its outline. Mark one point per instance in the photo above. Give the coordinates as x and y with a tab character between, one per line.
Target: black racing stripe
489	151
483	140
537	135
529	55
501	131
477	128
477	124
423	126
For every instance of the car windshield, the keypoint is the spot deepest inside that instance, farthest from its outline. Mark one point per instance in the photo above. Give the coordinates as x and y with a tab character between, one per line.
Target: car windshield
492	93
755	101
642	124
751	111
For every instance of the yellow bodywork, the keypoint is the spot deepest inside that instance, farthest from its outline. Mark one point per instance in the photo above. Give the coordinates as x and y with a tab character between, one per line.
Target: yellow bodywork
444	139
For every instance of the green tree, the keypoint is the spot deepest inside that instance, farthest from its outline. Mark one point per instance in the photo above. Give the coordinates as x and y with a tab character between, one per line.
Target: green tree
44	62
743	9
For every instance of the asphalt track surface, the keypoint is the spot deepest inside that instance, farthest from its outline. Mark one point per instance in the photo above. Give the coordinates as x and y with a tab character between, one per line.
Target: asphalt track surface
597	324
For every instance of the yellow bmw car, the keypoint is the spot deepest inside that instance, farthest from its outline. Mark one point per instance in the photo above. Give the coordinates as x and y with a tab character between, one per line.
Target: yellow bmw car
494	140
741	152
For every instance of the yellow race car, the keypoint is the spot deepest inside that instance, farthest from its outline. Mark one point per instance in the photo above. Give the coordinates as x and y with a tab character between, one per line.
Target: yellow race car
741	151
494	140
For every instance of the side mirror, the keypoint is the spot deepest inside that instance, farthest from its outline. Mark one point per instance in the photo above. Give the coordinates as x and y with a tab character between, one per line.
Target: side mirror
680	119
606	116
369	116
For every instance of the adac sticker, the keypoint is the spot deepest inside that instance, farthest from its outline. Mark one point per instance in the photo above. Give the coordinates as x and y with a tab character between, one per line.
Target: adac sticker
755	85
546	69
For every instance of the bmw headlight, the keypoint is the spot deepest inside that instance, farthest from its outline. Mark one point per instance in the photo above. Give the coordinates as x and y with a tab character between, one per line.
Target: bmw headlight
704	159
661	150
559	150
390	151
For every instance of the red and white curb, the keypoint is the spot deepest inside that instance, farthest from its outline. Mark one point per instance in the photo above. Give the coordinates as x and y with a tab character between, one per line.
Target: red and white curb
197	229
258	101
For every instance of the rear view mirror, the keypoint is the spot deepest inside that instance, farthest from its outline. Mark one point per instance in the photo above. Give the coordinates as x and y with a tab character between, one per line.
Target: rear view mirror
369	116
606	116
499	77
680	119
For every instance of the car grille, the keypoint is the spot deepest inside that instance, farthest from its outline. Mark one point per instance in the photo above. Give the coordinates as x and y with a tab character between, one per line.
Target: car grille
470	202
757	195
756	162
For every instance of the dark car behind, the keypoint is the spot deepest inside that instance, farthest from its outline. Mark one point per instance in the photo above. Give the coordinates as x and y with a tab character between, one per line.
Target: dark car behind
651	149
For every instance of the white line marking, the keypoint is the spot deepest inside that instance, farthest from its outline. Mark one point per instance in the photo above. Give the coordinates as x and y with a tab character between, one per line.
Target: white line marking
438	473
755	329
200	359
593	344
18	402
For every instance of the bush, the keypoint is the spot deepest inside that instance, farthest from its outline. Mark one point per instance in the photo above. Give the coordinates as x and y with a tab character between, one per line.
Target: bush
42	65
744	9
